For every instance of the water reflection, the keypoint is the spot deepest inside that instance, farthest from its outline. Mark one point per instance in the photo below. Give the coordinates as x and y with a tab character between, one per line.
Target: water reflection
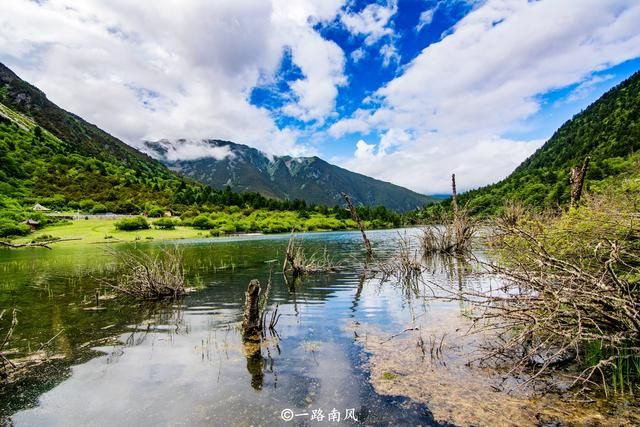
187	363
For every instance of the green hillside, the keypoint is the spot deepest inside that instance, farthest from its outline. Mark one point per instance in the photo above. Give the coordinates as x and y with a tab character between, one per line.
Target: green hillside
608	131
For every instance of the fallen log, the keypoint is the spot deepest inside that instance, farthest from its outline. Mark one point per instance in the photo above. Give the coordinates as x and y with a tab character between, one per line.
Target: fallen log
44	244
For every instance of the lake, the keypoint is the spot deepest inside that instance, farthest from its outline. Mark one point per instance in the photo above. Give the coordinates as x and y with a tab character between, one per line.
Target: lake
184	363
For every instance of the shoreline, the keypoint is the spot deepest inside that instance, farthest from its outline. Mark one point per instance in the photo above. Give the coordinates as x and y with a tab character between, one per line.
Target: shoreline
102	231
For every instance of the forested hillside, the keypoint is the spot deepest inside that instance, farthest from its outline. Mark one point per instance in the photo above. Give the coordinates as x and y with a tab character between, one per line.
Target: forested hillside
608	131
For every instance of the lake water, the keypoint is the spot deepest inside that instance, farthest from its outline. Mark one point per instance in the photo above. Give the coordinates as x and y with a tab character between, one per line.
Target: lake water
184	363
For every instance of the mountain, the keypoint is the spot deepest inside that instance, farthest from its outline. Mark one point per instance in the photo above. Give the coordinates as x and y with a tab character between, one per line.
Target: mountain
247	169
53	157
608	131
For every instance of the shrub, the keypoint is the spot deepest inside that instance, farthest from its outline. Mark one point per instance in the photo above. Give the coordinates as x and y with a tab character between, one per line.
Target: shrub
165	223
99	208
130	224
10	228
156	212
87	205
202	222
150	275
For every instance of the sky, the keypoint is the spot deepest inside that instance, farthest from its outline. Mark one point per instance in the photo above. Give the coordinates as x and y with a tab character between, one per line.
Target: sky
407	91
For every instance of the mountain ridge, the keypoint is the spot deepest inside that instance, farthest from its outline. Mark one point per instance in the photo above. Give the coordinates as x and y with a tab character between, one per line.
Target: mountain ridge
247	169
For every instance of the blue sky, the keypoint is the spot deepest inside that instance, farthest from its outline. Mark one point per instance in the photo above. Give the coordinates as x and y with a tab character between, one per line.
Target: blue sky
408	91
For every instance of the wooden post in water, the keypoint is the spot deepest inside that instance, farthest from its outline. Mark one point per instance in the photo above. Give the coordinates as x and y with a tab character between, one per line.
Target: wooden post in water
251	321
356	218
576	179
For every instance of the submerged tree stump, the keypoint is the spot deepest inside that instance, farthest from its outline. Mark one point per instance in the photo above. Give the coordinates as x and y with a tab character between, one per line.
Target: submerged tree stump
251	320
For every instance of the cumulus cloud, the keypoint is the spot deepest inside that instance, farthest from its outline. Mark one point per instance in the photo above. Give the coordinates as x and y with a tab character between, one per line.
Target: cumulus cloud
372	22
358	54
426	163
459	95
177	68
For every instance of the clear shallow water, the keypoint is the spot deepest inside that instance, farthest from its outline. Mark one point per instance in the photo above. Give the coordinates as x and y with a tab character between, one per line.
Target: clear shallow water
184	363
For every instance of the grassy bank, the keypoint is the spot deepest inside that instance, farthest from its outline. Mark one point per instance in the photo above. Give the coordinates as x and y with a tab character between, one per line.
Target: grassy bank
101	230
104	230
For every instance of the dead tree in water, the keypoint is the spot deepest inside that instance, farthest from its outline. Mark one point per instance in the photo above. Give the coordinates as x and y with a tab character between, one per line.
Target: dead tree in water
576	179
454	195
356	218
251	319
299	263
4	361
452	237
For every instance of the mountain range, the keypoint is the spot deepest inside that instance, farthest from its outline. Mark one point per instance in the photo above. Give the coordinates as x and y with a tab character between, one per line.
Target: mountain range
246	169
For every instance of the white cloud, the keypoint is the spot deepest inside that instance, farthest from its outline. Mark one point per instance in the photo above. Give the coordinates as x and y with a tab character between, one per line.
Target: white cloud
177	69
426	163
358	123
191	150
372	22
461	94
358	54
389	54
587	86
425	19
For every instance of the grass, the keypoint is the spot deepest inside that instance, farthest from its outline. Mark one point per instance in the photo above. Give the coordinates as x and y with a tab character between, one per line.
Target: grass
388	376
95	231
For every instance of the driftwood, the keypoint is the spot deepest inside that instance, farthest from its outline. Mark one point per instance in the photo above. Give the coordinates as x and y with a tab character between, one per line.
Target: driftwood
251	319
576	179
356	218
44	244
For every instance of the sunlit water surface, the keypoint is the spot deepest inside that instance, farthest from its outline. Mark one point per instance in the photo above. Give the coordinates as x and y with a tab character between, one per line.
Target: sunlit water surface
184	363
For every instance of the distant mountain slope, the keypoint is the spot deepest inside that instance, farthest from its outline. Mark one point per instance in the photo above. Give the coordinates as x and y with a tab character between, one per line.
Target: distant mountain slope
81	136
53	157
608	130
246	169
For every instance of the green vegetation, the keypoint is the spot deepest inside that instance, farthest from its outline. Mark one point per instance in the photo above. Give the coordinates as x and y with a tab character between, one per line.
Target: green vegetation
165	223
574	285
248	220
54	158
608	131
131	224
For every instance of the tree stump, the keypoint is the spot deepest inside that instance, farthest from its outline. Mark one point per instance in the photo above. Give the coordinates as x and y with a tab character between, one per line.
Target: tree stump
576	178
251	322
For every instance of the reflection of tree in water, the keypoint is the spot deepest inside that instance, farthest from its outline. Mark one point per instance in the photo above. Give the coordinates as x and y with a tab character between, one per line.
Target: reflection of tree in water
255	363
